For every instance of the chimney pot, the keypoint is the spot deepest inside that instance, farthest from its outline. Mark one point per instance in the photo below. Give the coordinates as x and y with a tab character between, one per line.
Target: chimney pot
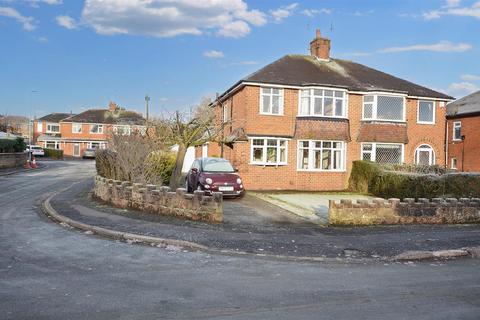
318	35
112	106
320	47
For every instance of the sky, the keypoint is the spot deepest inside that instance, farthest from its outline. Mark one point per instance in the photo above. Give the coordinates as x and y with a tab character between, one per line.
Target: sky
71	55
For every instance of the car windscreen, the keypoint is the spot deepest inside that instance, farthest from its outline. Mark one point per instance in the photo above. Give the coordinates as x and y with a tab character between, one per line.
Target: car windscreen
217	165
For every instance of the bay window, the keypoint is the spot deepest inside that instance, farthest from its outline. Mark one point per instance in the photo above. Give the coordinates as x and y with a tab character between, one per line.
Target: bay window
315	155
268	151
271	101
383	107
322	103
383	152
426	112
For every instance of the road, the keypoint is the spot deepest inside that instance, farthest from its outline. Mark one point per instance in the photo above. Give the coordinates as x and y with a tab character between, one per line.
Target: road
48	271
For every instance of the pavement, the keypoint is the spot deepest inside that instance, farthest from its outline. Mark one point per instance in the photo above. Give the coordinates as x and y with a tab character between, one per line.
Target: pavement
253	226
50	271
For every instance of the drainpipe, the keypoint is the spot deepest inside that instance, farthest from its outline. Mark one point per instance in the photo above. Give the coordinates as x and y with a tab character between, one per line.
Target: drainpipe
446	143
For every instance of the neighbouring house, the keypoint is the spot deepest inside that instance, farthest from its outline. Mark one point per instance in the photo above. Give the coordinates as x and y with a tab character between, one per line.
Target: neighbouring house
300	122
73	133
463	133
17	125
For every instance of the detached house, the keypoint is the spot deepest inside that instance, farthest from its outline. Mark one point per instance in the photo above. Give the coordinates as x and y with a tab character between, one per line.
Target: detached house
299	122
89	129
463	133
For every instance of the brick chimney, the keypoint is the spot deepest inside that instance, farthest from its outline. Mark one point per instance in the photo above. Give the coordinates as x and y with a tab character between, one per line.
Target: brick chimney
320	47
112	106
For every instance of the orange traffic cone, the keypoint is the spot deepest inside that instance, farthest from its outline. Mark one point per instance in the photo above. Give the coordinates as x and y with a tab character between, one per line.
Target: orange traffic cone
27	165
34	163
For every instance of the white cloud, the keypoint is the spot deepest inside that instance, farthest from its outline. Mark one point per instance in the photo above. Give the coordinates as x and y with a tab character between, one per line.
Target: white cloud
470	77
313	12
453	8
66	22
461	89
213	54
160	18
28	23
283	12
442	46
42	39
363	13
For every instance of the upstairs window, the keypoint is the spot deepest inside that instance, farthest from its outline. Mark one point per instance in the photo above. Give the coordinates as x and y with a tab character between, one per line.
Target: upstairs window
53	128
426	112
76	128
383	107
322	103
457	130
39	126
123	130
269	151
226	113
96	128
271	101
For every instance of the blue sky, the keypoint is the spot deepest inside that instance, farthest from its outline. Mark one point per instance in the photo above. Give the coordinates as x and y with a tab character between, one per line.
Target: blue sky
70	55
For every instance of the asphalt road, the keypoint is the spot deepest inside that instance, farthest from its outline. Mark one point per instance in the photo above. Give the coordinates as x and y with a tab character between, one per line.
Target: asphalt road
52	272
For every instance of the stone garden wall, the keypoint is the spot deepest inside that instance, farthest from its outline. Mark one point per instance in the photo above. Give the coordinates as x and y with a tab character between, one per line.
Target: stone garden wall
11	160
408	211
160	200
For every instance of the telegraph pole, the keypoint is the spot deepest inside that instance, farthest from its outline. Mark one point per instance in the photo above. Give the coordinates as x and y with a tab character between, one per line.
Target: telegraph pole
147	99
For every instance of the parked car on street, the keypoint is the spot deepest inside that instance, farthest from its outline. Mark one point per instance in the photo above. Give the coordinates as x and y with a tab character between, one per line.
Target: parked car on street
214	175
89	153
36	150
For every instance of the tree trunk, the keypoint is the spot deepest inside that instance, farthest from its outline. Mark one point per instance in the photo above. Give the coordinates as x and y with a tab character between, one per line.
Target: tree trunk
177	171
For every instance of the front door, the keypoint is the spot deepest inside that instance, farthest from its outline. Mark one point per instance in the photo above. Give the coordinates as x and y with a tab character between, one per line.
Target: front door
76	150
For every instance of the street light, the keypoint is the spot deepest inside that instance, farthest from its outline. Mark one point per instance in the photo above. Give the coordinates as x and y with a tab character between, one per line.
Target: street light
147	99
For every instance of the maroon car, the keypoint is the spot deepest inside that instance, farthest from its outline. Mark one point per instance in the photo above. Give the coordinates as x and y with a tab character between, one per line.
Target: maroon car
214	175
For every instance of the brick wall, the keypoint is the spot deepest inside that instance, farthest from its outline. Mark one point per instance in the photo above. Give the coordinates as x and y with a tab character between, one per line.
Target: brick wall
11	160
471	130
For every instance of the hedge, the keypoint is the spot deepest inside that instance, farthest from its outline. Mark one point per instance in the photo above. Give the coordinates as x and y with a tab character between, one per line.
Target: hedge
12	145
371	178
53	153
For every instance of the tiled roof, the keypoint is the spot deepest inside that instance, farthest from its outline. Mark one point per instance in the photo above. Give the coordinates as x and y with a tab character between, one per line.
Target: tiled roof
311	128
55	117
383	132
466	105
106	116
304	70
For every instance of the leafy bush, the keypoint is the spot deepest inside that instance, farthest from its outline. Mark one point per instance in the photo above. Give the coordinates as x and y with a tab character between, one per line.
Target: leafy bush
107	165
12	145
53	153
159	166
369	177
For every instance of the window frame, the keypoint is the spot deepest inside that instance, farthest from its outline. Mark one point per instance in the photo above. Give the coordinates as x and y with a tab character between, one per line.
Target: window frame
453	167
374	150
264	151
433	157
311	155
127	132
39	126
281	101
375	106
77	124
434	109
454	127
99	126
312	102
226	113
55	142
49	125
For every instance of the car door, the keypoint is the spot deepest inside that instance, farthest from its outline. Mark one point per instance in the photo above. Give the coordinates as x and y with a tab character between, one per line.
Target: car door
193	174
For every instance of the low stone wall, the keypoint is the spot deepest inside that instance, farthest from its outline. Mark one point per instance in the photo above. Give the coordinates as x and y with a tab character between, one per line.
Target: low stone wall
12	160
408	211
160	200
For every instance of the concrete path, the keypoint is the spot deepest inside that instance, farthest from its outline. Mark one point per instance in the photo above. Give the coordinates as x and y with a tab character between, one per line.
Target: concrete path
48	271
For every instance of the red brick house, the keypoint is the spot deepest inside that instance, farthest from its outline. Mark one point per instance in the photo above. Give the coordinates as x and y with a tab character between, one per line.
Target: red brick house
463	133
299	122
73	133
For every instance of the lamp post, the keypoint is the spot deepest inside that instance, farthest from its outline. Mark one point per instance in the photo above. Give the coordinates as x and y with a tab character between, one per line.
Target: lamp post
463	150
147	99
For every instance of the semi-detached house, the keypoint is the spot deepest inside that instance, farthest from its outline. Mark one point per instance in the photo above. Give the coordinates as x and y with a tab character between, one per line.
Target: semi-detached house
300	122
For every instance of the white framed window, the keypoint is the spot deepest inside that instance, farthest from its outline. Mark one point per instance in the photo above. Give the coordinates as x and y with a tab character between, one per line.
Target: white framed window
317	155
76	128
123	130
268	151
52	144
271	101
226	113
383	107
96	128
457	130
453	163
53	128
424	155
39	126
322	103
426	112
383	152
97	145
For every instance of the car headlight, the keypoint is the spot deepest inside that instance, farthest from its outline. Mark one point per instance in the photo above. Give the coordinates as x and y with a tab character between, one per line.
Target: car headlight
239	181
209	181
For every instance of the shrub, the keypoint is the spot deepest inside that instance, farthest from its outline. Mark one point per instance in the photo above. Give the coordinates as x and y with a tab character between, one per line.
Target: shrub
107	165
362	175
159	166
12	145
53	153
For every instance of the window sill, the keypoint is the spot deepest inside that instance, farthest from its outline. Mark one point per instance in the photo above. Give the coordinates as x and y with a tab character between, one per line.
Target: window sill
320	170
381	120
271	114
320	117
267	164
422	122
